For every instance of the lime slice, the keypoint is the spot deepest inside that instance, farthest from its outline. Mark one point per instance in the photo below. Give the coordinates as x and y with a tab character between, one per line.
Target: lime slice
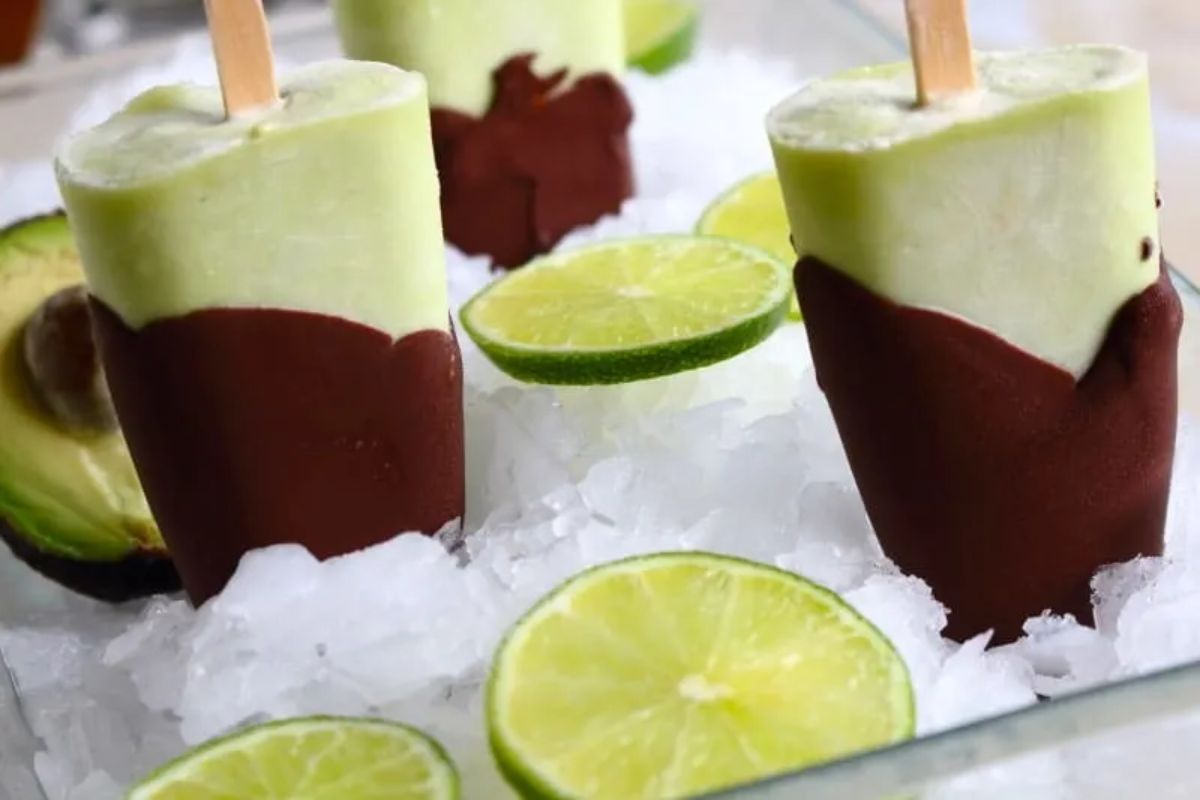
753	212
319	758
683	673
628	310
660	33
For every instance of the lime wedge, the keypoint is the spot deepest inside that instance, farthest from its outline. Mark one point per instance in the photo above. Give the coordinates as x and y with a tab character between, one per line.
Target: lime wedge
319	758
753	212
677	674
660	33
628	310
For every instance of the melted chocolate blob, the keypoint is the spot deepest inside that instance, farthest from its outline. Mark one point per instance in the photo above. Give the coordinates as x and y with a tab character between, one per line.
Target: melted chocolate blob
542	161
255	427
986	471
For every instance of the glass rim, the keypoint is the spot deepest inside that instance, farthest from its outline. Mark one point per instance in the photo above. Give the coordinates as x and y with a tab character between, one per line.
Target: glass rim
958	751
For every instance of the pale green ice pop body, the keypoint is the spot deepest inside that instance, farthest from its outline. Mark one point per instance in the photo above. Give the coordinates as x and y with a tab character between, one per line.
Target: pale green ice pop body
1022	208
327	202
457	44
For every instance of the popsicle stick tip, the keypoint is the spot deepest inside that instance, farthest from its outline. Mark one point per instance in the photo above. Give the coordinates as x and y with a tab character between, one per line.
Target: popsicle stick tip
242	46
940	39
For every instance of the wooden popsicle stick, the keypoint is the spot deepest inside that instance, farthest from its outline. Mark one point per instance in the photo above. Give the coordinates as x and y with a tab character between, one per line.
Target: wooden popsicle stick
941	48
242	46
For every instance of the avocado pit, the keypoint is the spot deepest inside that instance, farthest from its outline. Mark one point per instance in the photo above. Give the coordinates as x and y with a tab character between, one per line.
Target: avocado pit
63	365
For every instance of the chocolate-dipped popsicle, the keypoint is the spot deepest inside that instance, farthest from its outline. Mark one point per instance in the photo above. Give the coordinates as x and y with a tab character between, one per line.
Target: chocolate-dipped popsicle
269	295
990	319
529	121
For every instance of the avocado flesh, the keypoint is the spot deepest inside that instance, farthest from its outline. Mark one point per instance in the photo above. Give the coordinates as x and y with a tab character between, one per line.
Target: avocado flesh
72	501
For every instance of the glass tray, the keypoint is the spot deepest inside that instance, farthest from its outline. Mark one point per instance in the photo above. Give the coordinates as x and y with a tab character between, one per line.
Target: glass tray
1145	727
1124	740
1130	739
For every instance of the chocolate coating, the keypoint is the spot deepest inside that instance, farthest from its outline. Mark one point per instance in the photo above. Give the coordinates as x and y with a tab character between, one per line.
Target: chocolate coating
986	471
255	427
542	161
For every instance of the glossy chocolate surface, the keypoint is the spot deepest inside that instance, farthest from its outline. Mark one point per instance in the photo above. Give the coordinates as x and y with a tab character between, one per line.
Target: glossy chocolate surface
986	471
254	427
546	158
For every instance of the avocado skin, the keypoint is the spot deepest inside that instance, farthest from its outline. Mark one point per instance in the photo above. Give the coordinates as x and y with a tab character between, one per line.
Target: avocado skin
137	575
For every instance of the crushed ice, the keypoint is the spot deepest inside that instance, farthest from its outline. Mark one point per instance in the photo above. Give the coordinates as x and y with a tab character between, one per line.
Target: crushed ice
740	458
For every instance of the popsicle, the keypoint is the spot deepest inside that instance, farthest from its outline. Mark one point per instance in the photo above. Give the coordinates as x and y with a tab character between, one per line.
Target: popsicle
268	291
990	318
529	121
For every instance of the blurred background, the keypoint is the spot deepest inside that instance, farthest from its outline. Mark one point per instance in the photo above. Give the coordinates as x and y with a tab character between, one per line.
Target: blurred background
53	51
44	30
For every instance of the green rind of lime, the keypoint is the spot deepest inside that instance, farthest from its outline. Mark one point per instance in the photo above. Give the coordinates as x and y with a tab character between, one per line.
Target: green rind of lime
627	357
313	758
835	688
660	34
627	366
753	212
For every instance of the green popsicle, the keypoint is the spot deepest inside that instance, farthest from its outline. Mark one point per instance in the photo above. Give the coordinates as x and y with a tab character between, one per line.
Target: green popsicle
988	312
1023	207
326	202
269	298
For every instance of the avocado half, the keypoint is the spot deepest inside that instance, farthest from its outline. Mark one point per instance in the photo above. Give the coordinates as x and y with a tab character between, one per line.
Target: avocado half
71	505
